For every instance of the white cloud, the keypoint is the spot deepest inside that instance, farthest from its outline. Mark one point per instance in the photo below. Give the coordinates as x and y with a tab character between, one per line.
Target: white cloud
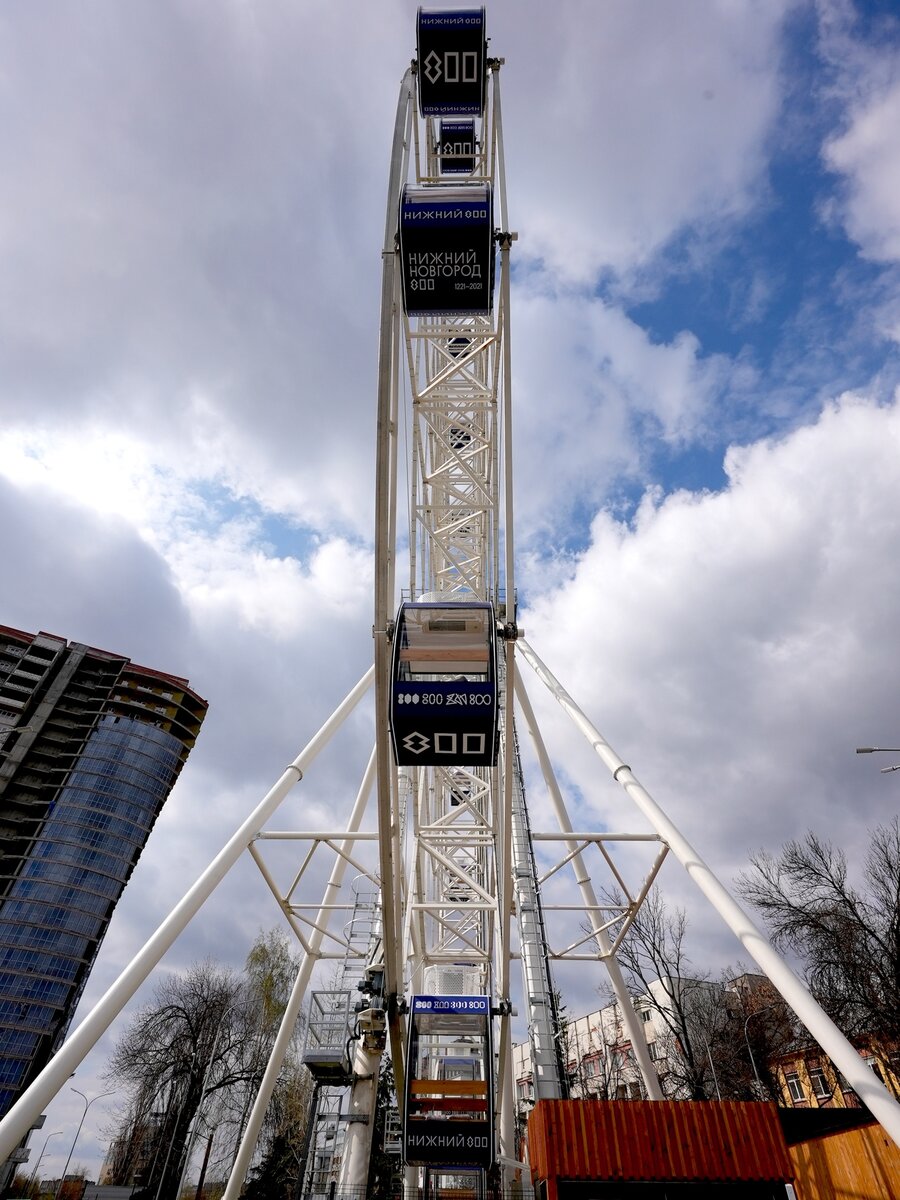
867	154
181	219
228	580
222	567
732	647
623	140
594	395
198	260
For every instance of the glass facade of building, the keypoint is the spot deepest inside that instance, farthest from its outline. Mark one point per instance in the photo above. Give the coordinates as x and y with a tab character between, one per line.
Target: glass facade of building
85	835
56	911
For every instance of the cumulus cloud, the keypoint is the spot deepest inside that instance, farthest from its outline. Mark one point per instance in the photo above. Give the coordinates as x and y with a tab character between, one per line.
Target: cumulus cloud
867	154
596	395
622	141
164	237
861	149
731	645
173	263
218	551
88	577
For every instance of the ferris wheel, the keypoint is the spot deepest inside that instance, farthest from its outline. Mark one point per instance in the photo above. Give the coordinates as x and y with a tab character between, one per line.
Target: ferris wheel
461	897
447	757
452	896
455	841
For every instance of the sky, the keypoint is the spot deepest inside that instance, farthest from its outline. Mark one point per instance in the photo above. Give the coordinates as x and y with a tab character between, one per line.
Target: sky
706	359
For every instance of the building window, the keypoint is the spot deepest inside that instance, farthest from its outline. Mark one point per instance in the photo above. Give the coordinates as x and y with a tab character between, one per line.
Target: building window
654	1051
525	1089
842	1081
646	1015
795	1087
819	1083
592	1066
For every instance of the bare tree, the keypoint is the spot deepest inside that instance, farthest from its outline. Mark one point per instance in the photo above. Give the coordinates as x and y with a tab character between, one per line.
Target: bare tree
192	1061
133	1142
278	1172
714	1038
758	1029
185	1045
848	940
601	1063
686	1006
259	1003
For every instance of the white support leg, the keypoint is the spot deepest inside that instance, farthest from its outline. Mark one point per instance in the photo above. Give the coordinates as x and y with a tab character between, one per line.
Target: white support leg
360	1117
864	1082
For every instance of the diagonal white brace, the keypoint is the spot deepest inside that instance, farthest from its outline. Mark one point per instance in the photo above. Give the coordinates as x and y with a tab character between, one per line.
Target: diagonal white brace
867	1086
22	1115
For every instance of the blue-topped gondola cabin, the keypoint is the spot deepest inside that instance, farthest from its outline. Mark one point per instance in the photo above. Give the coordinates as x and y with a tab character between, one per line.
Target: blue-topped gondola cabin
444	705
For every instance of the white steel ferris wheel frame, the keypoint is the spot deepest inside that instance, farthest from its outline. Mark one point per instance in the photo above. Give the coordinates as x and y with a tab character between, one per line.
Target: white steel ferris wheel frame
449	507
431	851
457	903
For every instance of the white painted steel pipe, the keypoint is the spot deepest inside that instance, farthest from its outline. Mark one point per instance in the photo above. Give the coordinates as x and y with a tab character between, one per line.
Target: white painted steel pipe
505	1098
385	527
864	1082
505	885
360	1118
22	1115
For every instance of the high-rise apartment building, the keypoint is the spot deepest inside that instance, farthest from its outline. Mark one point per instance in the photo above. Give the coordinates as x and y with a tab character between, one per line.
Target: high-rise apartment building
90	746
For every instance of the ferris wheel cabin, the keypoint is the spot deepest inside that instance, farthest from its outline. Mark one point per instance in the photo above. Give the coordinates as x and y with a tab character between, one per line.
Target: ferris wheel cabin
456	147
451	51
447	249
444	703
448	1115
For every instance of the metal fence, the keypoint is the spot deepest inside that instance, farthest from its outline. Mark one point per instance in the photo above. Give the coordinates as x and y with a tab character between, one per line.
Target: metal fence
516	1191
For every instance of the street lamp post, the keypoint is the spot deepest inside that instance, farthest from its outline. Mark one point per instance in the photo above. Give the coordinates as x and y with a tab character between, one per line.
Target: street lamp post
87	1105
881	750
33	1174
713	1068
759	1086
